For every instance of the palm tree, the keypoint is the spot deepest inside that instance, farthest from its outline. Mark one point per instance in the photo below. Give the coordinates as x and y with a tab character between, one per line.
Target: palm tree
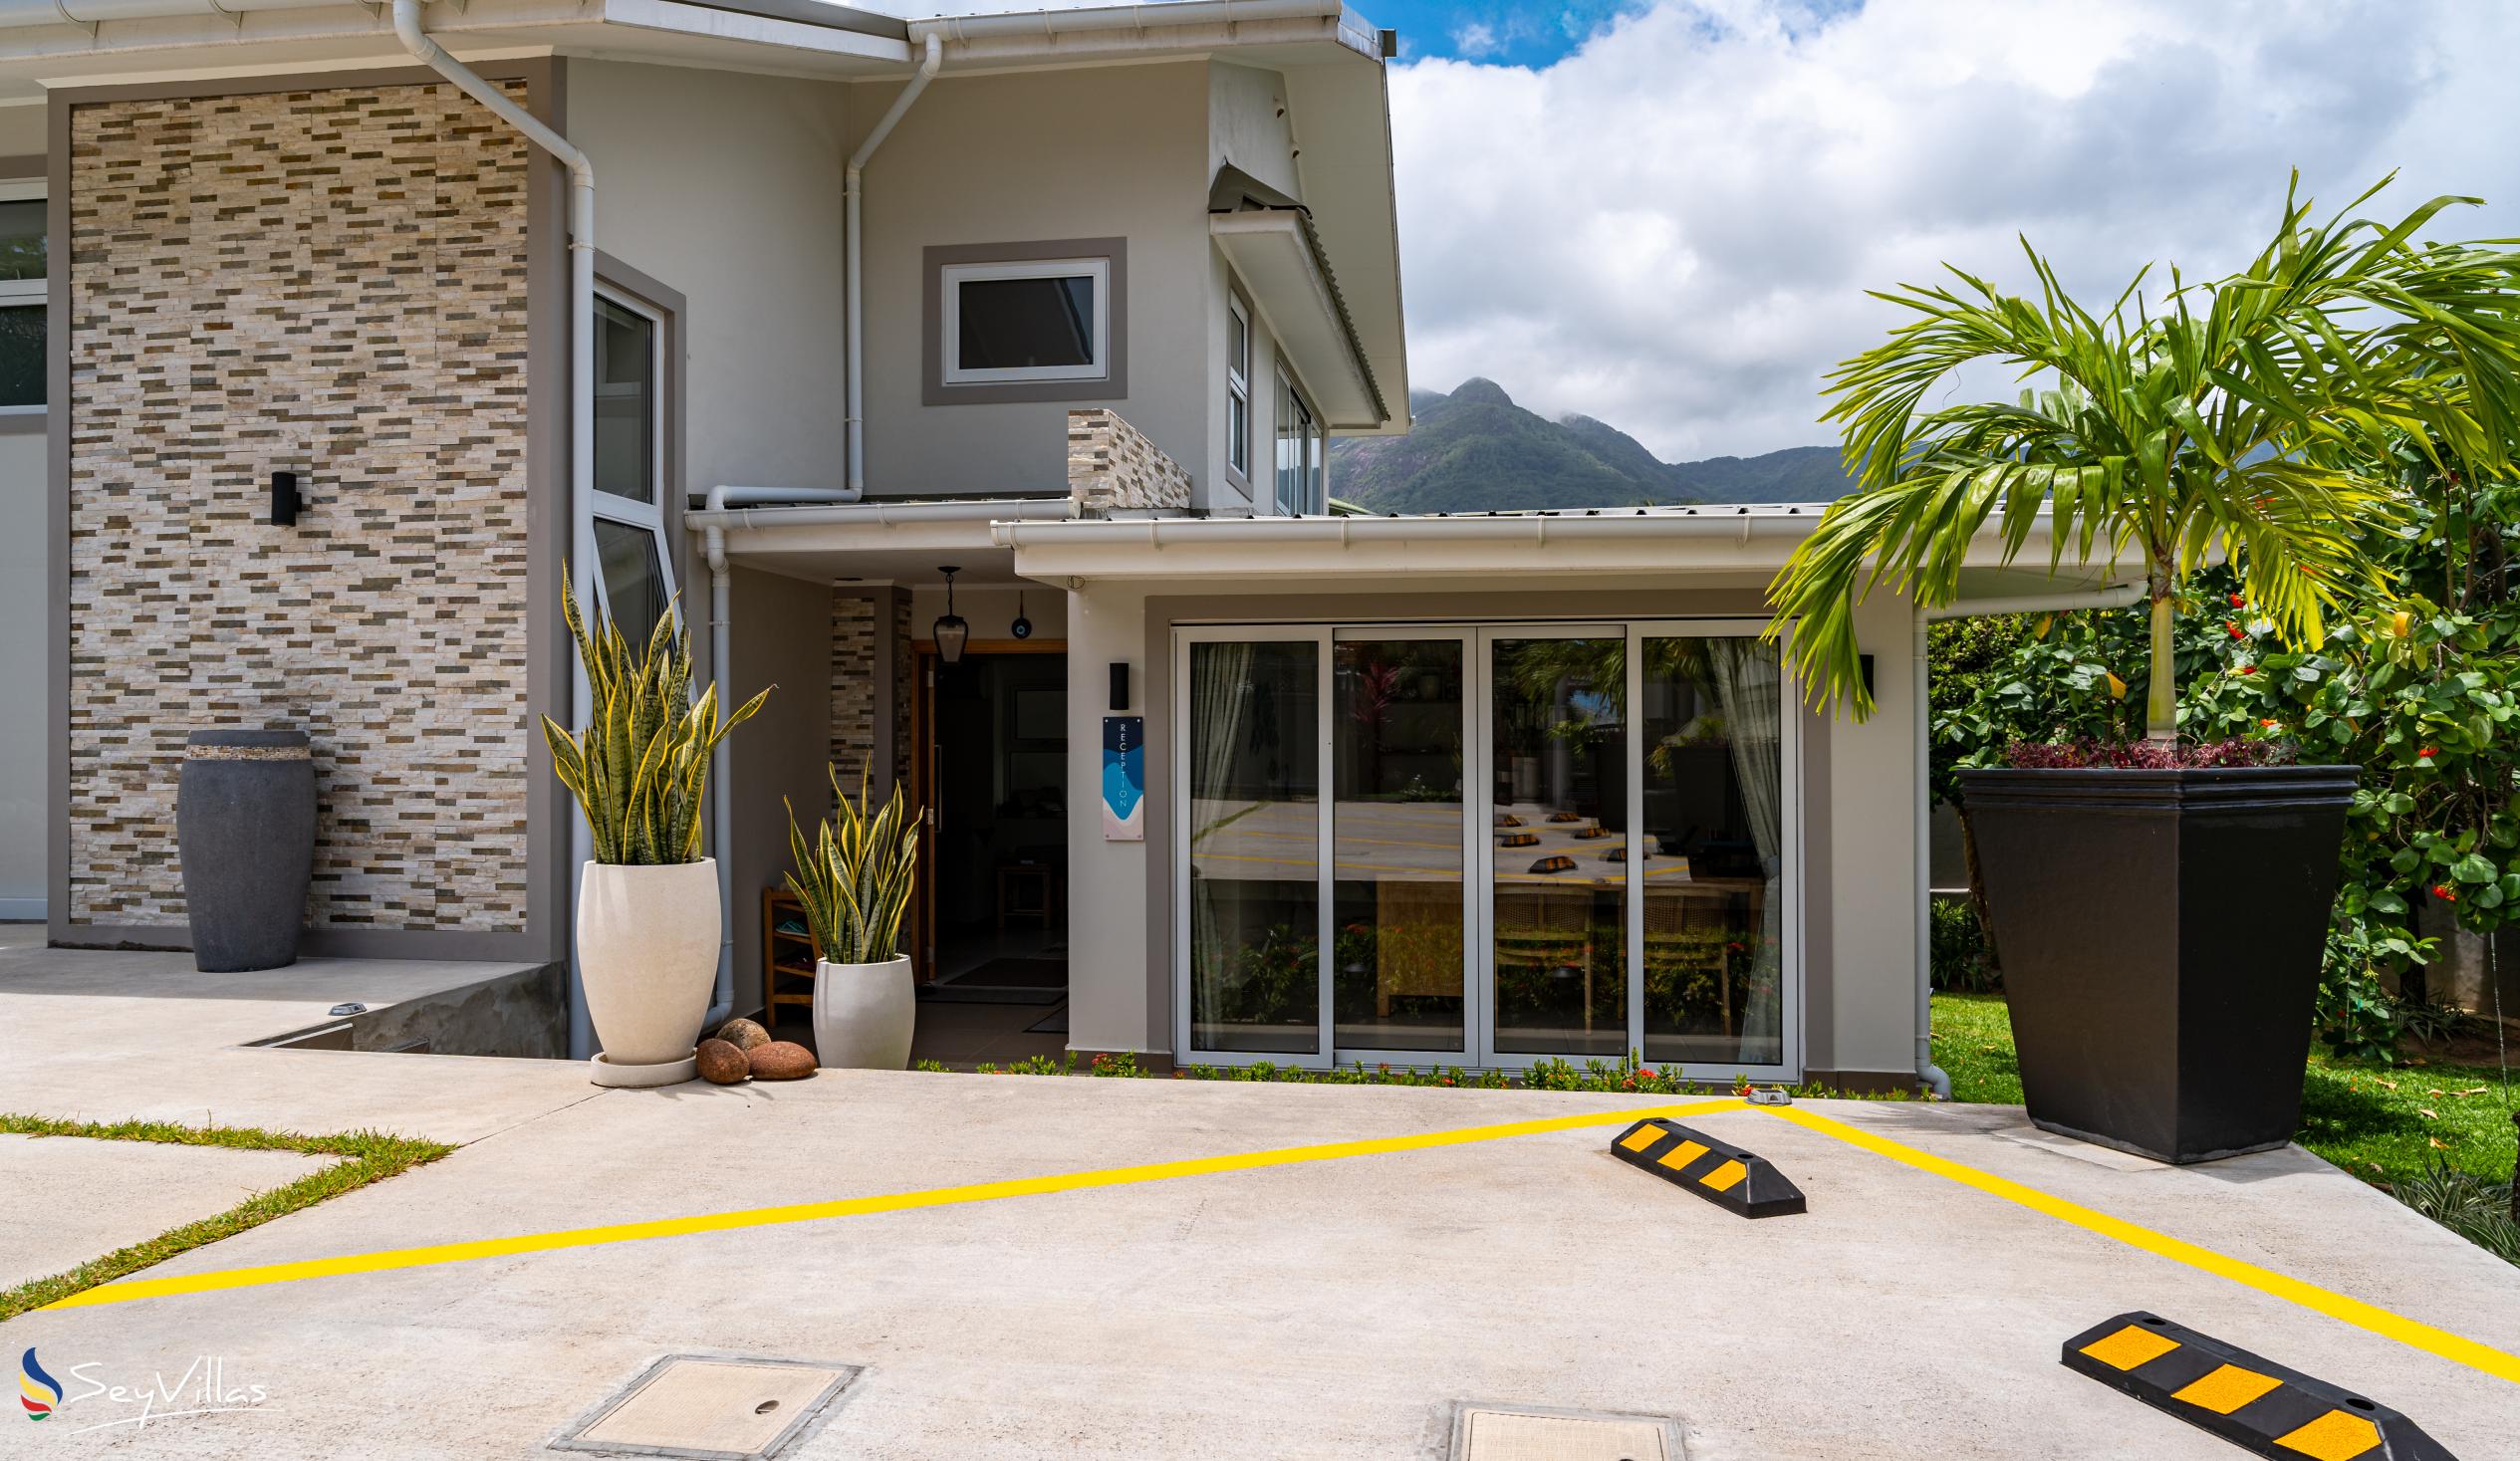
2243	417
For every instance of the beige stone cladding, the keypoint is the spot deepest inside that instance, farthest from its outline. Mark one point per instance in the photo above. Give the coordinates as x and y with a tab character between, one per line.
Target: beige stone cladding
854	623
331	282
1112	467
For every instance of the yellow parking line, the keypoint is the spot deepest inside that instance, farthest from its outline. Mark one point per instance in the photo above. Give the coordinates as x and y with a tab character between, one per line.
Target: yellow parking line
128	1289
2354	1312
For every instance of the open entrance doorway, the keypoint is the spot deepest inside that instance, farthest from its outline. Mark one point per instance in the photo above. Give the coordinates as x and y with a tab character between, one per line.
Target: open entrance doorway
989	765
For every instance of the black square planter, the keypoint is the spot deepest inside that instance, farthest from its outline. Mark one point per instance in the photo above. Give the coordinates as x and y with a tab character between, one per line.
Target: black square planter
2161	936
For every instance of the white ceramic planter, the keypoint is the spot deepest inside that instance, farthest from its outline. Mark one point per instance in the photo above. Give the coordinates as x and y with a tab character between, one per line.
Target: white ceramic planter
863	1015
648	942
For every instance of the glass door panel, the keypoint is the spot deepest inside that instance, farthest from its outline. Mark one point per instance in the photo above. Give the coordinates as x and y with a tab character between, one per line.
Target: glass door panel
1396	855
1557	784
1711	715
1253	757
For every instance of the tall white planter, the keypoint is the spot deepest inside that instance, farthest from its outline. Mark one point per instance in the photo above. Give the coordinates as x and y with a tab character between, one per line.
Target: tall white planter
648	942
863	1015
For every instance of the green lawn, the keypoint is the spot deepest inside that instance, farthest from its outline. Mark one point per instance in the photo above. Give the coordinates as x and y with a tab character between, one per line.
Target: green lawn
2380	1123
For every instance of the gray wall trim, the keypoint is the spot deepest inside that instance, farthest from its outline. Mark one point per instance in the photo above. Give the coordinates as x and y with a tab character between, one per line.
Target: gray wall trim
1820	928
932	261
544	937
25	423
56	506
38	164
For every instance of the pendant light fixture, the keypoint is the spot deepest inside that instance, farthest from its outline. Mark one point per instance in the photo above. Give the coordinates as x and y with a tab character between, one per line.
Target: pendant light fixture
950	632
1022	628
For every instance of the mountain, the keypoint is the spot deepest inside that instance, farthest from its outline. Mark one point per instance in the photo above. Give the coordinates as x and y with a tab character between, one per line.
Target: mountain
1476	451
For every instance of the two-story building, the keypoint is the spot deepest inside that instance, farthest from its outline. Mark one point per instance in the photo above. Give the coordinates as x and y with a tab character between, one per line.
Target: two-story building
969	379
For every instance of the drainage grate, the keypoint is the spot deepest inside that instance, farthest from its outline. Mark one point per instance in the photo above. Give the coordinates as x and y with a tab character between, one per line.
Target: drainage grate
711	1407
1540	1433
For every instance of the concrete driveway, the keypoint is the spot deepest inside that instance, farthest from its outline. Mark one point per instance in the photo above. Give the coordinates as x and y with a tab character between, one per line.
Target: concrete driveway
1333	1308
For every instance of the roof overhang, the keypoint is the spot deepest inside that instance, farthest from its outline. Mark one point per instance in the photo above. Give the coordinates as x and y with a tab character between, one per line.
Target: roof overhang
1280	259
158	42
1608	548
878	542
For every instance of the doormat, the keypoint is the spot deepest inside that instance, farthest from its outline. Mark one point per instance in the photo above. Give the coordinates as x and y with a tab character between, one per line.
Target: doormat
1018	974
1054	1023
1003	982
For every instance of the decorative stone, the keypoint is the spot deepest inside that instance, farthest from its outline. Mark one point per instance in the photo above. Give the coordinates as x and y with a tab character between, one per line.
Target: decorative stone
721	1063
744	1035
782	1060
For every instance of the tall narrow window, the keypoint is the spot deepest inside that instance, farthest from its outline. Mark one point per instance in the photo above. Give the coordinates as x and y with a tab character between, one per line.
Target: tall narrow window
1297	471
624	403
1237	387
634	573
22	275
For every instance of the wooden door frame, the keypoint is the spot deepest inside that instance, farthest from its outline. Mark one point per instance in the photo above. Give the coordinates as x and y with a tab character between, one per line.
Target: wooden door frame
922	776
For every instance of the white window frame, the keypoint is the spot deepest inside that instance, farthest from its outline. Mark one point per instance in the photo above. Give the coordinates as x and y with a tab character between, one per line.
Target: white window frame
1238	389
25	293
949	282
1299	420
1478	870
649	515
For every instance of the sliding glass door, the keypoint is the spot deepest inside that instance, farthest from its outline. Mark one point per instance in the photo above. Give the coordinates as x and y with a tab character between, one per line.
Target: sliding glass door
1487	845
1399	847
1556	810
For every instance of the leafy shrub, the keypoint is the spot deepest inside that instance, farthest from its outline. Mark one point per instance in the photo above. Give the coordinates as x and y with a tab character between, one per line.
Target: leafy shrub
2471	1206
2088	752
1960	963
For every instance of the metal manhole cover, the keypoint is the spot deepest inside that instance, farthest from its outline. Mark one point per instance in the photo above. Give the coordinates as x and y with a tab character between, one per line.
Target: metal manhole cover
1540	1433
711	1407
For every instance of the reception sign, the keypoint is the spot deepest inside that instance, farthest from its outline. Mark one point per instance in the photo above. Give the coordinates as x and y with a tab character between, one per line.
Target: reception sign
1124	778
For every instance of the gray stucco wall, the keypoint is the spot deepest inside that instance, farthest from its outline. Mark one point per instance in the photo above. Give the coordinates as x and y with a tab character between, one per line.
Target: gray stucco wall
727	188
1117	151
783	640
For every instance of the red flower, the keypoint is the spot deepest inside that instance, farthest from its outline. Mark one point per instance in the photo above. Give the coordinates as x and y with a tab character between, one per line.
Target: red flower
1645	1073
2266	725
2239	603
2442	891
2428	751
2248	669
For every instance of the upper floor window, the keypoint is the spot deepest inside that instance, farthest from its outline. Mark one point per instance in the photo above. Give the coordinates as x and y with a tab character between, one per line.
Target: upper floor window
21	293
1034	319
1298	463
1237	387
1028	320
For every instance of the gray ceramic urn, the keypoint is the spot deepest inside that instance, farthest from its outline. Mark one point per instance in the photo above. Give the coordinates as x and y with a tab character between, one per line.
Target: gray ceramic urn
245	826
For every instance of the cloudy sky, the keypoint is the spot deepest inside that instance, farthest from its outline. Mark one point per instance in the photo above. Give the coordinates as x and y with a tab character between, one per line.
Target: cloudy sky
1665	216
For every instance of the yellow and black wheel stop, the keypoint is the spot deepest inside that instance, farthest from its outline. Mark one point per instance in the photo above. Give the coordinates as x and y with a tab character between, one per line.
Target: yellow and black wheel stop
1722	1174
2247	1400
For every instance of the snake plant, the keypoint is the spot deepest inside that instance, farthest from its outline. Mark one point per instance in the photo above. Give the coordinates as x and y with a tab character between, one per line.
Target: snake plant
639	768
853	875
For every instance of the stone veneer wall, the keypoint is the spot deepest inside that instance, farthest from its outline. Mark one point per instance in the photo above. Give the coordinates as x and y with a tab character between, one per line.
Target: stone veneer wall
857	620
334	282
853	696
1110	466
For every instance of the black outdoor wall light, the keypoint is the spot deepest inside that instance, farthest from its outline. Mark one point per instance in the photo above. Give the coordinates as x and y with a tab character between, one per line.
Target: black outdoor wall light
285	499
1119	684
950	632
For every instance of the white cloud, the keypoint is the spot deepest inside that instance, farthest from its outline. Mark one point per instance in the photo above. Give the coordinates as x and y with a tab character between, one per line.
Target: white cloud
1672	228
1475	39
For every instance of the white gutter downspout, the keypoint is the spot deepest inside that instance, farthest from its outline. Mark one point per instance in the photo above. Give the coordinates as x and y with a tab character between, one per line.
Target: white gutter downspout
2116	595
854	423
407	27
